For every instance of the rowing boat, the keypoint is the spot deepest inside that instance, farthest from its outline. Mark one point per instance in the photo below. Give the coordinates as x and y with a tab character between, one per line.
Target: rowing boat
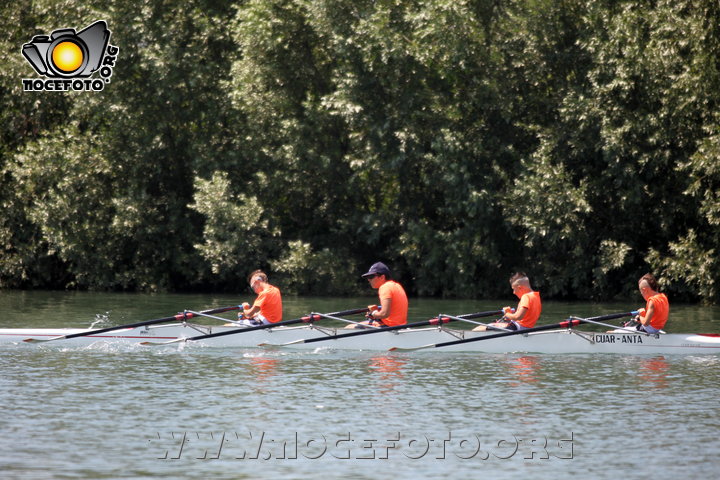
555	341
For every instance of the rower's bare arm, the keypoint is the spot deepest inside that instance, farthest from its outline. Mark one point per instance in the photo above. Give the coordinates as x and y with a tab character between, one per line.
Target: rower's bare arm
252	311
384	312
518	315
648	314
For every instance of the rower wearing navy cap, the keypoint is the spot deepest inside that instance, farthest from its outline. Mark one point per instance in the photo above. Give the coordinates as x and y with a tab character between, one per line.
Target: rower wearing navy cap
393	300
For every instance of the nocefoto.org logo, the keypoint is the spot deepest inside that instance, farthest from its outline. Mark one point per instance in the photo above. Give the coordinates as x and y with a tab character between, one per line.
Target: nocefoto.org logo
68	59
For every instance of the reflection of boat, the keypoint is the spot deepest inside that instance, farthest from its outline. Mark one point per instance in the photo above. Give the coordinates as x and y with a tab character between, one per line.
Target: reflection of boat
565	340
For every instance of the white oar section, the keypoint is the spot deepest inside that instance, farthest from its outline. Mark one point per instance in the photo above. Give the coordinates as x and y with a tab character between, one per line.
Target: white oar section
345	320
201	314
488	325
617	329
238	323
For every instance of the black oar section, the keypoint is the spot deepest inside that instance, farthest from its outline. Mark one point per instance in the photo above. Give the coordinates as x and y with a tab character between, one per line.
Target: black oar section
565	324
432	321
179	317
306	319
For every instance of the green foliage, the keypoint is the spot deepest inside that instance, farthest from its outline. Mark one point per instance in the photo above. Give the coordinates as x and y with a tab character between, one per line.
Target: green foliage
237	233
547	208
456	140
692	265
60	175
302	270
694	261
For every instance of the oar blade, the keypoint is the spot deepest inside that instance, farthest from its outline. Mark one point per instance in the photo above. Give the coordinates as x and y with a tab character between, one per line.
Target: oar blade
279	345
168	342
42	340
410	349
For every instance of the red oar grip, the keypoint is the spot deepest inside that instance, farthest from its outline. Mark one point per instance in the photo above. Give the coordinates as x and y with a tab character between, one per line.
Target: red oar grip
569	323
438	320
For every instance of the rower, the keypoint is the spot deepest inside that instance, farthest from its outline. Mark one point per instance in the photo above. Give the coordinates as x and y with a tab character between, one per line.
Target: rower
393	300
528	309
267	307
653	317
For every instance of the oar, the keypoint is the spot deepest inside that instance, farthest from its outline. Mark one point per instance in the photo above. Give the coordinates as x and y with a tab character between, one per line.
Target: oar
486	325
307	319
433	321
179	317
565	324
345	320
615	328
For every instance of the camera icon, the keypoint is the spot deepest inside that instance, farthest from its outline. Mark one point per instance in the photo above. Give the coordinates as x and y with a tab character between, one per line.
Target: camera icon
66	53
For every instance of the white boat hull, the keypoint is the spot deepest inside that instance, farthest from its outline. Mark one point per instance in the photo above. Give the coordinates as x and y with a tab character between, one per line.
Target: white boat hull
552	341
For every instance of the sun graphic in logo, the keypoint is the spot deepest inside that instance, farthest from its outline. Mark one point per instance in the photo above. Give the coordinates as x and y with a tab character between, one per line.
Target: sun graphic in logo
67	56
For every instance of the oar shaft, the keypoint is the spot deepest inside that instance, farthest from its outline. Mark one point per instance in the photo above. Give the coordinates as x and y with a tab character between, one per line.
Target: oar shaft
344	320
565	324
488	313
610	316
307	319
432	321
594	321
206	315
367	332
178	317
490	327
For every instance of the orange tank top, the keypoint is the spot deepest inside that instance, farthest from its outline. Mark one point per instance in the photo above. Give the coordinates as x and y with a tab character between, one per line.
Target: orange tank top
270	303
661	310
531	301
398	303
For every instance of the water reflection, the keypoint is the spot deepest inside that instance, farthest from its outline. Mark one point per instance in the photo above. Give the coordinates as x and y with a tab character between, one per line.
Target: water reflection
523	375
390	372
263	368
524	369
654	371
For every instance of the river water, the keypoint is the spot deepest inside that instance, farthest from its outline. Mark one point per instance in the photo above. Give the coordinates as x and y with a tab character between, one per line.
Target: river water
131	412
